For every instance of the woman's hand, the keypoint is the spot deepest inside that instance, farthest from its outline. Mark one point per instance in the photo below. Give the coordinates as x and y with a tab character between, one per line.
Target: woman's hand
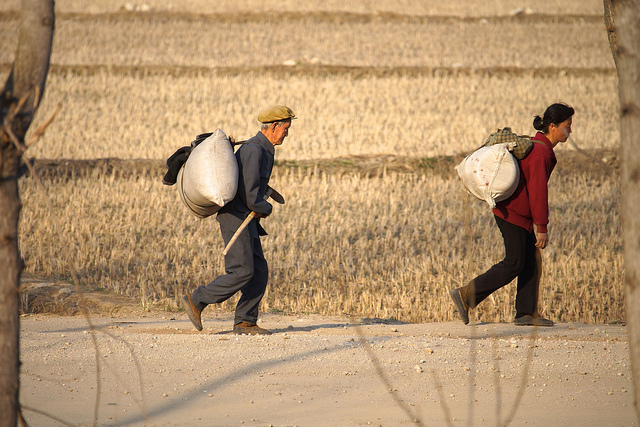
542	240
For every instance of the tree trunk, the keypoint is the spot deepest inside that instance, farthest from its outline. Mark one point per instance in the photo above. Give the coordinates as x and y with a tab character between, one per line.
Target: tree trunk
18	103
627	25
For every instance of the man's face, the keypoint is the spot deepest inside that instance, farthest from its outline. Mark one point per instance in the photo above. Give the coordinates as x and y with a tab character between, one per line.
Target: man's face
276	134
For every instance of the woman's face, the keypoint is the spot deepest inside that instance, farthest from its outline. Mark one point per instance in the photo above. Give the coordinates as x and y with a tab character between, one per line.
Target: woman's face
561	132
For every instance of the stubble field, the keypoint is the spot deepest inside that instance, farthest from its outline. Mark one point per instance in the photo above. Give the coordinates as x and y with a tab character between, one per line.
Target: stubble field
389	96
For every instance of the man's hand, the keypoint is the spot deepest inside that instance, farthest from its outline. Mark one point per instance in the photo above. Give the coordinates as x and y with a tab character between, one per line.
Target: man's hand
542	240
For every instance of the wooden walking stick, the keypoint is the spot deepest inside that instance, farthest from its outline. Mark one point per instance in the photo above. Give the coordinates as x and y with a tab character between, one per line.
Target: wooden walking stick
269	193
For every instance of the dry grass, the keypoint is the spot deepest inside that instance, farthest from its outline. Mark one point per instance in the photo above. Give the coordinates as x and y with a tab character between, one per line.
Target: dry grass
388	246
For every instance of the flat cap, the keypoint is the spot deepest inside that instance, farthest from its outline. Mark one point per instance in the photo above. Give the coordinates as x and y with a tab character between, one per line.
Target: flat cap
276	113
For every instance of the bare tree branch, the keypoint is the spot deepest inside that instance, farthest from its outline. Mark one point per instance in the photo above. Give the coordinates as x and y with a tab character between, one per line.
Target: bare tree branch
33	138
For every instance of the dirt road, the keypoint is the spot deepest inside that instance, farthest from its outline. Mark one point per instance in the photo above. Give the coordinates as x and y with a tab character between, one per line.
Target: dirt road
154	369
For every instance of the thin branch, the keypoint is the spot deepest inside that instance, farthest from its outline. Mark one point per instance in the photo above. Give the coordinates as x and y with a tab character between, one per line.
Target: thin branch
22	149
13	112
36	98
40	131
16	108
19	145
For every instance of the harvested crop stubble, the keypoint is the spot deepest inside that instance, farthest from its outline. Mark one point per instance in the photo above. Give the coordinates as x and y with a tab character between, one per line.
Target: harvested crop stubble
127	40
417	7
110	114
387	246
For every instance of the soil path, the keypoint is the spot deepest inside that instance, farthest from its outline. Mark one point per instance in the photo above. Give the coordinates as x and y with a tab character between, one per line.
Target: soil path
156	370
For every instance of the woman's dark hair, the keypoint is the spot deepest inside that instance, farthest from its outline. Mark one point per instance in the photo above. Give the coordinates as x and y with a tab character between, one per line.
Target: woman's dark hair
555	113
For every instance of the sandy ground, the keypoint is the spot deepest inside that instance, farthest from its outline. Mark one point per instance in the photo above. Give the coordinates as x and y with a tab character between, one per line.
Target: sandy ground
155	369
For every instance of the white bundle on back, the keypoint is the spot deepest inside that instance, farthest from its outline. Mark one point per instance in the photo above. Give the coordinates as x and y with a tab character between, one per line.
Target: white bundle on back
490	173
209	178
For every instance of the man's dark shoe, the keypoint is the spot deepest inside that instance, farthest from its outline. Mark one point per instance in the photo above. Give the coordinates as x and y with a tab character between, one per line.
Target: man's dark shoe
532	321
461	305
249	329
192	312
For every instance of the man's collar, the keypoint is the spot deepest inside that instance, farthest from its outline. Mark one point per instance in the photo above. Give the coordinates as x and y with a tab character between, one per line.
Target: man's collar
266	143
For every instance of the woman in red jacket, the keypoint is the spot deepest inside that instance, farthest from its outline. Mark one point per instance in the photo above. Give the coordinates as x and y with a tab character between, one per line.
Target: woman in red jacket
522	220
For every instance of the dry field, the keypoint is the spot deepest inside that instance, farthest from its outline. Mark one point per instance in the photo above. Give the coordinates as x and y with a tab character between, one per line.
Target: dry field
415	83
409	7
149	116
388	246
385	80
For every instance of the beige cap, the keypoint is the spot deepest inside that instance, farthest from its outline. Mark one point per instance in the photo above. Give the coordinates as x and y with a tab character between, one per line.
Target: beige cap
276	113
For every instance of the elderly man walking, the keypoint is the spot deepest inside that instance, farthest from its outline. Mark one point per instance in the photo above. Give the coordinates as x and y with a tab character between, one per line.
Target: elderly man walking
245	266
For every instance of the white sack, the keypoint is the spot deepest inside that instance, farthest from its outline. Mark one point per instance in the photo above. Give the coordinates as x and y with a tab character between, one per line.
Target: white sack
490	173
209	178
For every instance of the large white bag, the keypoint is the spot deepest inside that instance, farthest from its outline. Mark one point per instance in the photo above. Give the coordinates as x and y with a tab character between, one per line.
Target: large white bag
209	178
490	173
